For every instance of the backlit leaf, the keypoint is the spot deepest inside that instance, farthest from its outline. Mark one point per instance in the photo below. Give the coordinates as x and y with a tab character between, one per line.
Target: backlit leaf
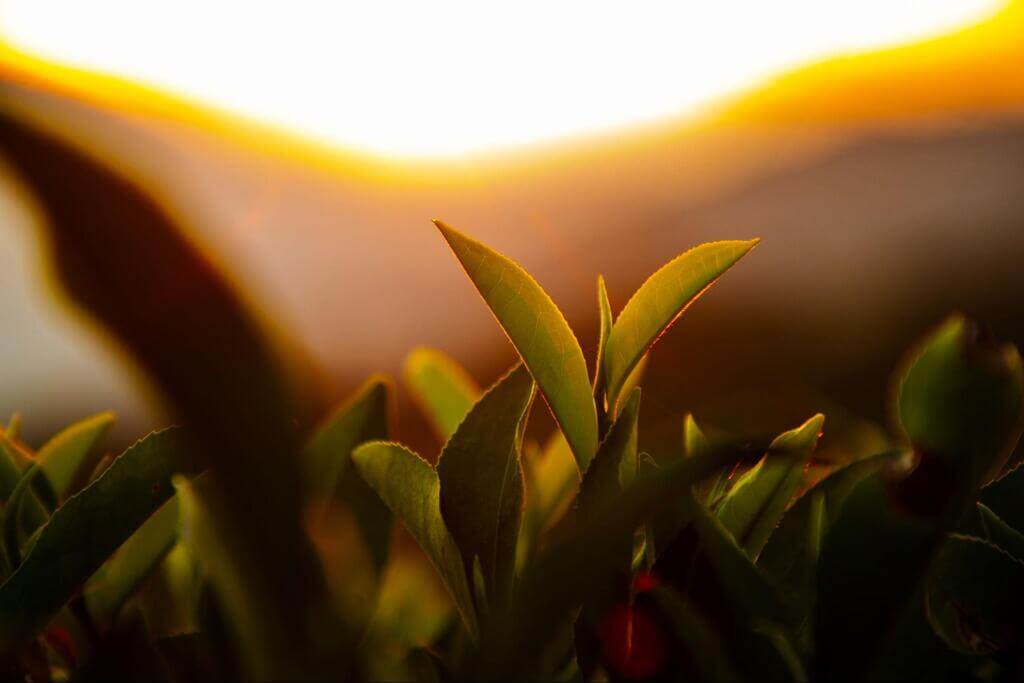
660	300
482	482
755	504
443	390
540	334
84	532
71	454
113	584
411	489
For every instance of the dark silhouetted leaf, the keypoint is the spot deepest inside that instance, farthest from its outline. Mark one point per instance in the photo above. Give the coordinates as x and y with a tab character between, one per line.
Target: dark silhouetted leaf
442	389
84	532
659	301
113	584
540	334
976	596
1005	497
755	504
960	399
411	489
482	482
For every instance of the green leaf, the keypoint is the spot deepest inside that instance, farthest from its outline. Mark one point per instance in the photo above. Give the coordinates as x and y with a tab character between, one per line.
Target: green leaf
660	301
365	416
605	318
13	515
411	489
988	526
695	443
976	596
791	555
71	454
753	507
123	257
1005	496
552	478
482	482
84	532
518	643
960	399
540	334
601	489
122	574
442	389
703	646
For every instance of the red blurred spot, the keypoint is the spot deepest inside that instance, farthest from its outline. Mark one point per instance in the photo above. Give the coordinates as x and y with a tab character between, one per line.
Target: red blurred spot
632	643
644	582
62	642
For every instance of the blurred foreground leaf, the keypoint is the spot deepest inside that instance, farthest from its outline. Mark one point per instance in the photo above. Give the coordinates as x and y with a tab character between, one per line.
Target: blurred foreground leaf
71	454
442	389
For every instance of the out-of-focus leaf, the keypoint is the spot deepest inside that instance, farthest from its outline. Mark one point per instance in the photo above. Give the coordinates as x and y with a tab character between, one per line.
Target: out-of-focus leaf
443	390
363	417
540	334
13	513
704	650
695	443
113	584
1005	497
987	525
755	504
482	481
960	399
976	596
411	489
871	565
120	255
70	455
791	555
84	532
662	299
633	379
518	642
552	478
601	489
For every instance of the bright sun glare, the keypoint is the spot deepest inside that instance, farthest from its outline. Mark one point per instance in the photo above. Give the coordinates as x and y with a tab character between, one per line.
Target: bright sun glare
452	77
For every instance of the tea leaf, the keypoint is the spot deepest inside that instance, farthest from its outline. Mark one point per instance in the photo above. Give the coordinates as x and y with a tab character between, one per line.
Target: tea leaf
540	334
443	390
1005	496
482	482
13	515
976	596
703	646
961	399
411	489
660	301
791	555
755	504
988	526
84	532
605	318
518	642
363	417
123	258
695	442
552	478
113	584
602	484
71	453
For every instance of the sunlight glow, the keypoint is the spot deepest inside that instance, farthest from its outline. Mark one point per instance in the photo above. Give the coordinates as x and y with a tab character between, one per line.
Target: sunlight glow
452	77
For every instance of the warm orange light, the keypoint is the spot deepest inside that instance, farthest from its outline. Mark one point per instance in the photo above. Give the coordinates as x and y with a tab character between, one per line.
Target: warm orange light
448	78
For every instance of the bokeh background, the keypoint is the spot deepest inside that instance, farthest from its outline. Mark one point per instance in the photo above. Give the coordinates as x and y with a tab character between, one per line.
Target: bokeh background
888	188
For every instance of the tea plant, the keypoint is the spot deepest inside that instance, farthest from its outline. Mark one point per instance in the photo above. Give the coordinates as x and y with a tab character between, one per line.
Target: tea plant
254	542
